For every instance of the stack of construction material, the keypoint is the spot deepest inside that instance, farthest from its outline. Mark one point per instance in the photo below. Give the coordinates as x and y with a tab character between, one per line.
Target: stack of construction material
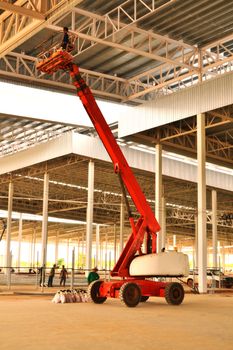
70	296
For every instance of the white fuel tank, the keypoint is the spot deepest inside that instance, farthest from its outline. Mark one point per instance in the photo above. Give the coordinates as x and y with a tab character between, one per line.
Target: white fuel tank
169	263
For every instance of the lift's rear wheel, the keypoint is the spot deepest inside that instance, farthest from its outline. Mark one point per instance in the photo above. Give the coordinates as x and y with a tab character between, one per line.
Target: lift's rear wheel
94	294
130	294
174	293
144	298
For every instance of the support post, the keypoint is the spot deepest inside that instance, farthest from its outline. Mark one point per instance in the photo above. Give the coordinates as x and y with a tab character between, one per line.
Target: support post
31	249
8	233
163	223
158	192
45	221
97	245
82	250
201	195
115	244
174	241
20	240
67	252
34	247
90	206
106	251
223	257
214	228
56	246
78	252
196	241
101	255
72	270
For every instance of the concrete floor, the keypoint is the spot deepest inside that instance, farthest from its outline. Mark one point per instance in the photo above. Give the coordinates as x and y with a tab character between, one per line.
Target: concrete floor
33	322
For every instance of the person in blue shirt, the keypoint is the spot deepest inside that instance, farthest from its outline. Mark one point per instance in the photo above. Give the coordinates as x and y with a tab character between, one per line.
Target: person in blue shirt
66	39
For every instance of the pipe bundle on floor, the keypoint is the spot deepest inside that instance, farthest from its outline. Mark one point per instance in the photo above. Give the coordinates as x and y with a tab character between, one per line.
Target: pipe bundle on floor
70	296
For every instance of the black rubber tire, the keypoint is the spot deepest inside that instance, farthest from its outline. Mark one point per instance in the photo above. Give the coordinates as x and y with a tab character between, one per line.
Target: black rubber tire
130	294
93	292
144	298
190	282
174	293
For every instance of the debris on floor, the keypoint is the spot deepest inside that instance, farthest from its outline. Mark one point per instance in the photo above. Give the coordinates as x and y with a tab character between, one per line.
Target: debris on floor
70	296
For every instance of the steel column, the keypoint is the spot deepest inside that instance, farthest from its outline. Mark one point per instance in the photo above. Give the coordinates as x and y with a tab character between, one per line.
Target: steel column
31	248
82	250
115	244
106	252
158	192
101	264
89	216
20	239
223	256
201	196
196	242
214	228
8	232
56	246
174	241
34	247
163	223
97	244
67	252
45	220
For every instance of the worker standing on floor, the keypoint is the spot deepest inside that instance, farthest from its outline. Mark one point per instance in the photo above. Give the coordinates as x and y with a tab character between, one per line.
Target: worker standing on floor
51	276
93	275
63	276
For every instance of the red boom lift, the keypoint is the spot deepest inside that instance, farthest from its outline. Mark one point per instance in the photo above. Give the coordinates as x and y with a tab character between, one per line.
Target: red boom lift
130	289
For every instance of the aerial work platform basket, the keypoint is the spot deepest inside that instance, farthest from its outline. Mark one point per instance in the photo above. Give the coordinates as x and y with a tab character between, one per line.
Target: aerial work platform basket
59	59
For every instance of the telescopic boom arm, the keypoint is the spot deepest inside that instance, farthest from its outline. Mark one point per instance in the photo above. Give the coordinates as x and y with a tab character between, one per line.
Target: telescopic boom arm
146	224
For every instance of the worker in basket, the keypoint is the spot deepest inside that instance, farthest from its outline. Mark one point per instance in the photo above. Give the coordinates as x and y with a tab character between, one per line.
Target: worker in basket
66	44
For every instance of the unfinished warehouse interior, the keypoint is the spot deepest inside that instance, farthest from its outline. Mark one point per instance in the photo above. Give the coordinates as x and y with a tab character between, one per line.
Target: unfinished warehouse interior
116	174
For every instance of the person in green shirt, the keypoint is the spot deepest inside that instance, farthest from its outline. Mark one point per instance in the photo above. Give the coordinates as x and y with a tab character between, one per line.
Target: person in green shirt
93	275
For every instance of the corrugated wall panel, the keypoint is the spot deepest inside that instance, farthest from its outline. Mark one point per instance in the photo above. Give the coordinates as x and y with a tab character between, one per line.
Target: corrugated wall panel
209	95
42	105
92	147
37	154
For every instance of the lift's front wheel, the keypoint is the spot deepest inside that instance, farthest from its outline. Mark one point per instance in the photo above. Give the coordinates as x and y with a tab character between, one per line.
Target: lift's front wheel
174	293
130	294
94	294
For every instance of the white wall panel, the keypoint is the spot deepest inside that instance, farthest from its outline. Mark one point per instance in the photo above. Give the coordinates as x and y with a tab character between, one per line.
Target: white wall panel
44	105
92	147
211	94
37	154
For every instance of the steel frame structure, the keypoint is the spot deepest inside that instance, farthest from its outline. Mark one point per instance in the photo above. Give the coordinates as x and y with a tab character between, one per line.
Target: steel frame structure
176	64
181	135
29	17
16	136
24	18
